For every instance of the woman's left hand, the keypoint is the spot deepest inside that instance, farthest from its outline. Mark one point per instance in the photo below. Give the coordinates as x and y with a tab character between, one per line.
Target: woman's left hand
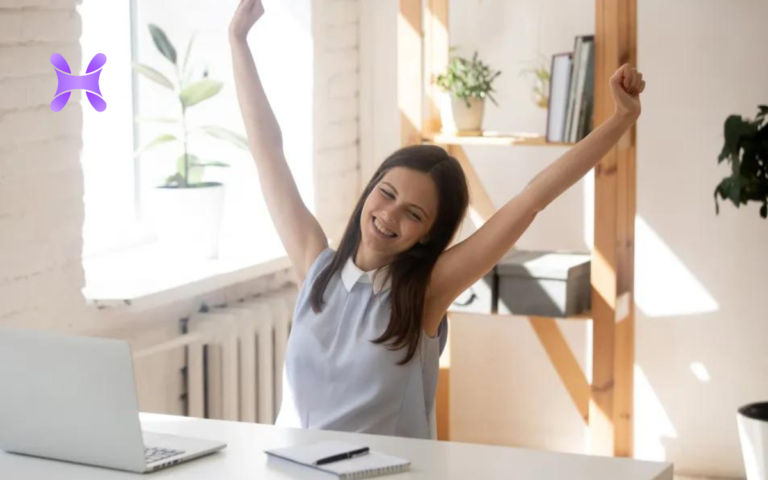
626	85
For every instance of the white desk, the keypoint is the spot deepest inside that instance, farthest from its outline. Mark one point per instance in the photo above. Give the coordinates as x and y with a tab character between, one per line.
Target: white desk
244	458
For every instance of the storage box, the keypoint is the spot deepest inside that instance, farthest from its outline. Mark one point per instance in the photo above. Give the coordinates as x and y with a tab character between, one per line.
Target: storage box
542	283
479	298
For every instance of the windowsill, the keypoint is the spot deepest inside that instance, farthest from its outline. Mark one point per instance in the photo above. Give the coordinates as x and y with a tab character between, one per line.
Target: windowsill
144	277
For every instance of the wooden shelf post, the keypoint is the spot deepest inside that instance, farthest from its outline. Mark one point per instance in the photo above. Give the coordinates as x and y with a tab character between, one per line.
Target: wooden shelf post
610	406
606	404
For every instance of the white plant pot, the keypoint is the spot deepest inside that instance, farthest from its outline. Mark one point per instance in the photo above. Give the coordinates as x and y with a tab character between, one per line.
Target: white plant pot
187	220
457	118
752	421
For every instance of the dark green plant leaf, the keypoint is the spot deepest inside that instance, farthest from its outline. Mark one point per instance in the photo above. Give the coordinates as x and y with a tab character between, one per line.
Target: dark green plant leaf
153	75
199	91
717	205
159	140
724	153
734	191
162	43
222	133
733	128
749	165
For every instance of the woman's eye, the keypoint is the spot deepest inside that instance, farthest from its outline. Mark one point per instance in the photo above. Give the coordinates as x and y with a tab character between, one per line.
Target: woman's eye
416	217
387	194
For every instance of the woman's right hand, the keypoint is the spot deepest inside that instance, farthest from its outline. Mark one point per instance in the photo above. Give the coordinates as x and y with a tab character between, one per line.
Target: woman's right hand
246	15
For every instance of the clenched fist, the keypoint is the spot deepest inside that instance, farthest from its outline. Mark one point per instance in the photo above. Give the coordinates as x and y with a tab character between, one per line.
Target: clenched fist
246	15
626	86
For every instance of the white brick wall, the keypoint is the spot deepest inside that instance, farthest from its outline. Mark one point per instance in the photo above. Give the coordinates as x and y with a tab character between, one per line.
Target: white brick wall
336	26
41	184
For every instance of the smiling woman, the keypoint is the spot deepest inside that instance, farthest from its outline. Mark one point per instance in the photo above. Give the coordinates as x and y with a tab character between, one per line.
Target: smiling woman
406	217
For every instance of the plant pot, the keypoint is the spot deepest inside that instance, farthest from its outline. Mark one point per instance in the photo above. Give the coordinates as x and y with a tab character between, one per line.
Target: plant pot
752	421
457	118
187	220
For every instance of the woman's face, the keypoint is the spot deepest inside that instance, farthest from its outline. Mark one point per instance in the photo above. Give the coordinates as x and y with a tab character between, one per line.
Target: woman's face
399	212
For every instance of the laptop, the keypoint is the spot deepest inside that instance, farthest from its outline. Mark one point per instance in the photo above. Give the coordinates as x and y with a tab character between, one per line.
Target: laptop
73	398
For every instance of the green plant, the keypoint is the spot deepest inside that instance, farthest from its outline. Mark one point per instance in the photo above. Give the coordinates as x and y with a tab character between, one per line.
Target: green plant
541	74
468	78
746	148
190	92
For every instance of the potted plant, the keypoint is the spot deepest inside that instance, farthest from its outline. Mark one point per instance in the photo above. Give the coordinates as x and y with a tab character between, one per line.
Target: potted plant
466	84
752	422
186	211
746	148
540	90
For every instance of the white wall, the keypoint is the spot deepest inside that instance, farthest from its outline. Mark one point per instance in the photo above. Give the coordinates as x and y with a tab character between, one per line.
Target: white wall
699	278
336	32
717	266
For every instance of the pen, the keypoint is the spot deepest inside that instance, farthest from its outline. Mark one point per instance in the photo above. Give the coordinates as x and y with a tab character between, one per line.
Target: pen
342	456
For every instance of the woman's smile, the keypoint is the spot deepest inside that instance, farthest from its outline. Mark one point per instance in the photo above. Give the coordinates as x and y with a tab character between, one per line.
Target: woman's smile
381	230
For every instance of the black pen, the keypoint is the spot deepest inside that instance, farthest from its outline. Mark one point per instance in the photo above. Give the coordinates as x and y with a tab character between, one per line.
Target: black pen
342	456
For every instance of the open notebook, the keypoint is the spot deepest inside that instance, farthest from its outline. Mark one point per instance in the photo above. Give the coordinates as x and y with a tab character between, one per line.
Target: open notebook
364	466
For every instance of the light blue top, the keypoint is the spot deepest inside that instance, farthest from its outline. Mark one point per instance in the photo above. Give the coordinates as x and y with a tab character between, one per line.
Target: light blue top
335	378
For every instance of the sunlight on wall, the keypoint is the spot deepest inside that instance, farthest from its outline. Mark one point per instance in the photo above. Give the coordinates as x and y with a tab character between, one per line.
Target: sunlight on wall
700	372
664	286
652	424
655	425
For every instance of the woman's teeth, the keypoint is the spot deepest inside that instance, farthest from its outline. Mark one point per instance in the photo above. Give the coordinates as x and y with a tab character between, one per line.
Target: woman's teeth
383	230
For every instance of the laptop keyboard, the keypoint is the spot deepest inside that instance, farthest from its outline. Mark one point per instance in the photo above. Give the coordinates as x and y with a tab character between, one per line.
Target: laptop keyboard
155	454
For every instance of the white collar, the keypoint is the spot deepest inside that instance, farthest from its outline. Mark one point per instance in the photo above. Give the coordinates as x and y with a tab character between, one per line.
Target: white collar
352	274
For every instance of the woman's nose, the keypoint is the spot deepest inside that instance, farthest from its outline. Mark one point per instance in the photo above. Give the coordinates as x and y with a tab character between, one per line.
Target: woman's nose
389	216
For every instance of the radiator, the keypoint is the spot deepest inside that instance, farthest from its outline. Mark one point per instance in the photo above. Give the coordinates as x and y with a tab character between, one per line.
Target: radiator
235	364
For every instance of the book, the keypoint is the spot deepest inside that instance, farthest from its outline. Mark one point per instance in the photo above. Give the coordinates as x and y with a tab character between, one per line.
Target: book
572	88
369	465
588	100
559	87
581	59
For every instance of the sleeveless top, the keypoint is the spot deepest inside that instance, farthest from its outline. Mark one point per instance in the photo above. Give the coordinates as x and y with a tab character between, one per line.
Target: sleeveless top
335	378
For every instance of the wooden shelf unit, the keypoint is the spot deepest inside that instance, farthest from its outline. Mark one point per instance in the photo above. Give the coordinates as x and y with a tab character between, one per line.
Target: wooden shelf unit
605	404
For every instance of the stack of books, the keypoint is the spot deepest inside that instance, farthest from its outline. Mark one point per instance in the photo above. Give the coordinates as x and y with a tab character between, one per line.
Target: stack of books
571	92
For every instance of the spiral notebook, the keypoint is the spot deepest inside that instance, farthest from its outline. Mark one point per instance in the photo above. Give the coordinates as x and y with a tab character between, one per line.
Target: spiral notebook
369	465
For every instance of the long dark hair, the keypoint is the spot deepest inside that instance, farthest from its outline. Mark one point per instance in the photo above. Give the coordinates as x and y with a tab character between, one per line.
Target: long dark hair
411	270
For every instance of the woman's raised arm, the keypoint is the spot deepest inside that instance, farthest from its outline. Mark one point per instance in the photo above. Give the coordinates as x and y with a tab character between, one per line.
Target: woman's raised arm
300	232
476	255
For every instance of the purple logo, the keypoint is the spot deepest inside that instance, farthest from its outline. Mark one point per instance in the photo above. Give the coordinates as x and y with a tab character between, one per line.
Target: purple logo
88	82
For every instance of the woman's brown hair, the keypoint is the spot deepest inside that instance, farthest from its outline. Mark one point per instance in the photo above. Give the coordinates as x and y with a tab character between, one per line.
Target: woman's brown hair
411	270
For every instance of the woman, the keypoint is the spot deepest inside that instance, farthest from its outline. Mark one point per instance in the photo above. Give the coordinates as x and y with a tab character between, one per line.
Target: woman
369	320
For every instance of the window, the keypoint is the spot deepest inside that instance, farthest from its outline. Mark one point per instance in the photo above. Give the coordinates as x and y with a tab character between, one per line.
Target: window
117	185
